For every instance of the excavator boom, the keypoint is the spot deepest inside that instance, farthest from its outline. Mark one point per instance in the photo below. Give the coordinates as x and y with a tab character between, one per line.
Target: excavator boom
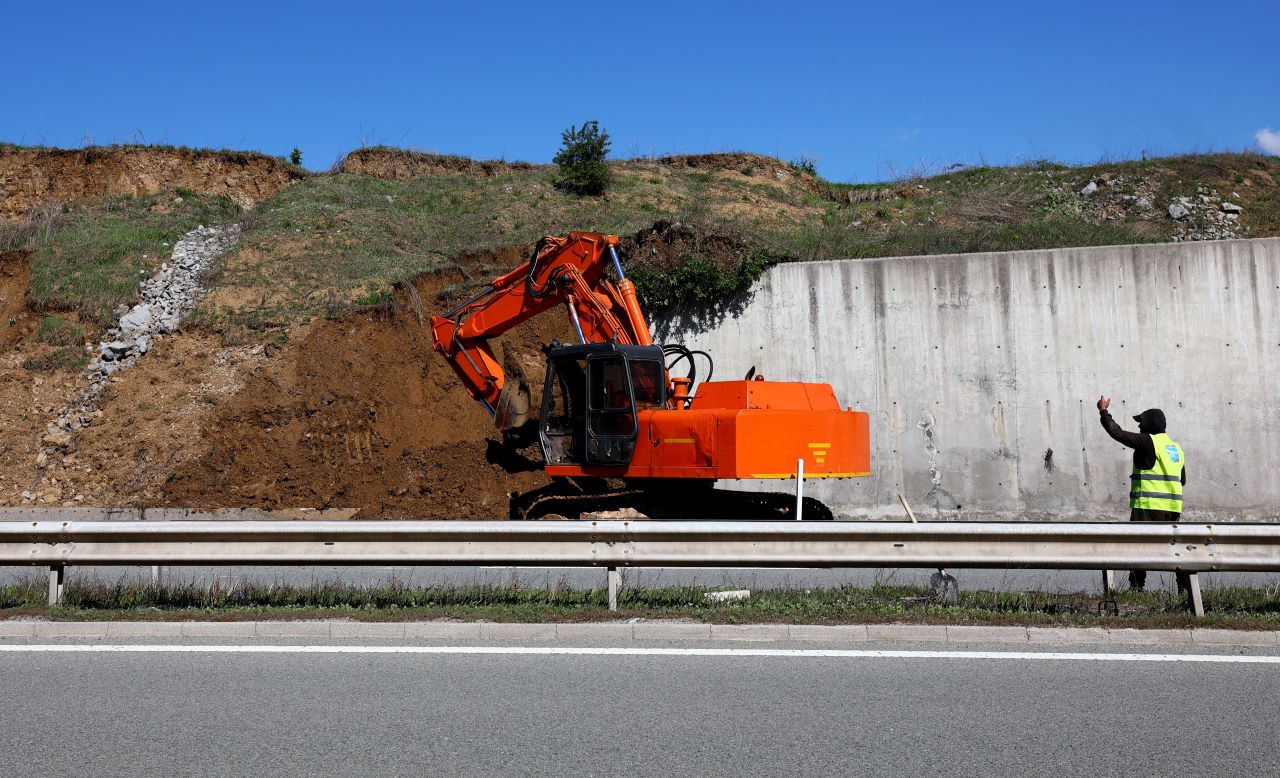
568	270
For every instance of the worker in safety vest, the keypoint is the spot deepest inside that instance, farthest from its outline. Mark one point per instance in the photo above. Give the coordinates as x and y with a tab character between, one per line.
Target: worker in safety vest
1159	473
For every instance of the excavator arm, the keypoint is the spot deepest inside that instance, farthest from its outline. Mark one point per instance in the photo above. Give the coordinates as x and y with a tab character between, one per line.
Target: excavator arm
568	270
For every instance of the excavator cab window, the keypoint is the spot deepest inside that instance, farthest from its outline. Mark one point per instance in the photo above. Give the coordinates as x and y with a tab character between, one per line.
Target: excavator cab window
648	381
611	413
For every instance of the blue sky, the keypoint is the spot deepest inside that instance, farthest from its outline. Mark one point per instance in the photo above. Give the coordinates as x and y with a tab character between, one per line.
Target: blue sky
871	90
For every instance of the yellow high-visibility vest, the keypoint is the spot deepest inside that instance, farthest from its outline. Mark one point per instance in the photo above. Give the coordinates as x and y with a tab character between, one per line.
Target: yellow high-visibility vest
1160	488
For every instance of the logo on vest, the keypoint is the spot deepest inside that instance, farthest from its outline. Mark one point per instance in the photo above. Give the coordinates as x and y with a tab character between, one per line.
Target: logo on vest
1172	451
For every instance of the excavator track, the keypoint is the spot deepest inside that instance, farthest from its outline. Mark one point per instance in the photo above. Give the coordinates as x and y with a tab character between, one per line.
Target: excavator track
597	500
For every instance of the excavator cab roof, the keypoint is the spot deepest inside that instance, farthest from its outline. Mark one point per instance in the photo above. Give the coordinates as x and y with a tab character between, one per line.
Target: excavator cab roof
576	350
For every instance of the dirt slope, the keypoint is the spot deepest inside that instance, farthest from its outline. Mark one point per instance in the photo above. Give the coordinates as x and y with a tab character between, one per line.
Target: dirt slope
751	165
15	280
31	176
361	413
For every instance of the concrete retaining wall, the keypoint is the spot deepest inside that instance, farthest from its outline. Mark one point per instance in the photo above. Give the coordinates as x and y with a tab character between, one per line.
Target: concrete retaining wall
981	371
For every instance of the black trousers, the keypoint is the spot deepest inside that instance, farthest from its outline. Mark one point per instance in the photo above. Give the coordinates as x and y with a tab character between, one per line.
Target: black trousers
1138	578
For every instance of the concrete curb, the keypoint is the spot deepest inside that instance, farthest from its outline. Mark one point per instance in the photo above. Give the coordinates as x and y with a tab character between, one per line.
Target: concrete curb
647	630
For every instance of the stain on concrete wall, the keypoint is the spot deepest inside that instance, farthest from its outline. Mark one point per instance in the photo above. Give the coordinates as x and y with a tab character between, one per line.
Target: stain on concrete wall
973	367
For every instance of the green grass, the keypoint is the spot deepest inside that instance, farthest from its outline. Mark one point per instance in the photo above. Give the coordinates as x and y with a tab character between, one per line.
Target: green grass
353	238
90	257
57	331
1227	607
834	237
71	358
331	242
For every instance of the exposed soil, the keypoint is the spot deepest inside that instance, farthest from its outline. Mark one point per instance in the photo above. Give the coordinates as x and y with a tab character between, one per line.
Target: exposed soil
150	416
31	176
15	279
402	164
24	397
361	413
748	165
28	401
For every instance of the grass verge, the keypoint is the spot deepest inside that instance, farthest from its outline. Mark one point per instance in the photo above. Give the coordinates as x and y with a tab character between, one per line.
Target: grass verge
1234	608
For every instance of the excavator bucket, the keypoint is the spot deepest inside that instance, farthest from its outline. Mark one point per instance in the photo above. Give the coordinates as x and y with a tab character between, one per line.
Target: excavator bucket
514	401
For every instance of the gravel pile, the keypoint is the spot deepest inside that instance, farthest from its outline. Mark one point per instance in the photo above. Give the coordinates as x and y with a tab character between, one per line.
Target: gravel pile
165	298
1205	217
1119	197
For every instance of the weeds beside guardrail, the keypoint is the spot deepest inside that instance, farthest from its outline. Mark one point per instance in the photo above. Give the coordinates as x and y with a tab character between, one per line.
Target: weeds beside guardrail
136	599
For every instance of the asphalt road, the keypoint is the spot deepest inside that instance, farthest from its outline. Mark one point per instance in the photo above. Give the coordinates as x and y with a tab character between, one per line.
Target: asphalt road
231	714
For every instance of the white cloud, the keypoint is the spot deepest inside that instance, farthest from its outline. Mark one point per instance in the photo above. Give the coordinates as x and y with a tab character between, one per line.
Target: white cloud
1268	141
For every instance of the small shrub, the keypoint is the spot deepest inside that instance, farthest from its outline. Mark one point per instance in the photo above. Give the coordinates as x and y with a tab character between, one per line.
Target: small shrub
381	300
295	156
699	281
806	164
67	358
581	159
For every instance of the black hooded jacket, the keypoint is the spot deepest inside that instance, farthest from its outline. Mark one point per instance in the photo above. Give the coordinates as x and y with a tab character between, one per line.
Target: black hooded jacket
1150	423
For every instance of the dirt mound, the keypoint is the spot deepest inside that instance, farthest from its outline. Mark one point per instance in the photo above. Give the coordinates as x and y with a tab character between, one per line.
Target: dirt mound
361	413
752	165
667	244
30	176
736	160
403	164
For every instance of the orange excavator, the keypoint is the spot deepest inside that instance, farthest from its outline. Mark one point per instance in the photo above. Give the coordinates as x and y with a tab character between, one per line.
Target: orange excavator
619	433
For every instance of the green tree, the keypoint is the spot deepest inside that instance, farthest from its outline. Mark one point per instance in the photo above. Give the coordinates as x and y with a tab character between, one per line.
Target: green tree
295	156
581	159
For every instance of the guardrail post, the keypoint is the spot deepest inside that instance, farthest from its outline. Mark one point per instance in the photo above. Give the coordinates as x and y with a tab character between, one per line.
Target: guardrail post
1197	604
615	583
57	585
1108	581
155	576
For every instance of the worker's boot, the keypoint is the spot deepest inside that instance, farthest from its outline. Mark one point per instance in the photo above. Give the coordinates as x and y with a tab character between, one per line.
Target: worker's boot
1137	580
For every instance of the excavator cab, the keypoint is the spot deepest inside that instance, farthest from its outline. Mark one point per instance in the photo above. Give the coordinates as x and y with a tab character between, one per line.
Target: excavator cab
590	400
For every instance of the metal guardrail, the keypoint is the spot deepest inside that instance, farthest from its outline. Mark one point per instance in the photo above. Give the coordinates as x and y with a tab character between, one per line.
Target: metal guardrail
1186	547
1183	547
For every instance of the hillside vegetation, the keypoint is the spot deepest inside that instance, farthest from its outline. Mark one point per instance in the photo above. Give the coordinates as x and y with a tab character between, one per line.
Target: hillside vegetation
342	241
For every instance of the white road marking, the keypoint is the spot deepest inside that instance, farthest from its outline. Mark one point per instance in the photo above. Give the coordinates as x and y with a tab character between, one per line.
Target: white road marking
817	653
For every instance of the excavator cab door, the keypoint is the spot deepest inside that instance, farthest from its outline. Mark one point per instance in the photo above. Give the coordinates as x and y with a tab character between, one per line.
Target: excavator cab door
611	411
563	424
